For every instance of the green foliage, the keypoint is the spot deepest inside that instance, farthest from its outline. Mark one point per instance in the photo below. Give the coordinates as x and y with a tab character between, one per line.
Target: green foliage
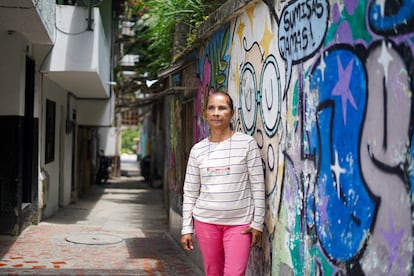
155	26
128	140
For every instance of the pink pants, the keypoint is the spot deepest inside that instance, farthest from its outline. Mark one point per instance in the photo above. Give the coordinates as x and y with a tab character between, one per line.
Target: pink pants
224	248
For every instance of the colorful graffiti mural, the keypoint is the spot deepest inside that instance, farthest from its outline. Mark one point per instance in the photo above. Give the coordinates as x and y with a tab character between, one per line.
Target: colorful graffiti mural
326	88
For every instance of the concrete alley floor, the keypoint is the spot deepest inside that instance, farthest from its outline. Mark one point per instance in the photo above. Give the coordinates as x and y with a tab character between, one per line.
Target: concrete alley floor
117	229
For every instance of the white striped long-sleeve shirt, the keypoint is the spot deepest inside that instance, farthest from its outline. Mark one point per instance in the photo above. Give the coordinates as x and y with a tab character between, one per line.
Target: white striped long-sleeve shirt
224	183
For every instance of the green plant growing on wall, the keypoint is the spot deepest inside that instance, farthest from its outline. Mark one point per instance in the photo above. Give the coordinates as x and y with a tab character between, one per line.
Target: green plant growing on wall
155	28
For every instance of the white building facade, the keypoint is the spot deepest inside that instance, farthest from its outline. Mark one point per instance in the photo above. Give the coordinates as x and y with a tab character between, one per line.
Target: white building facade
56	104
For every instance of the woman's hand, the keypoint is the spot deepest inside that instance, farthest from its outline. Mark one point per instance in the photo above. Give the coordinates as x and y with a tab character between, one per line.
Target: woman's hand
187	242
256	236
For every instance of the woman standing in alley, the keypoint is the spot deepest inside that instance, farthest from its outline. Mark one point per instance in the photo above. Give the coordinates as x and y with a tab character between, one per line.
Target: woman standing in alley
224	197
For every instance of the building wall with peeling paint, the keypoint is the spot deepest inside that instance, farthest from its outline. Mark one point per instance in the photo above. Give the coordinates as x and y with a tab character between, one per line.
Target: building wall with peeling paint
325	87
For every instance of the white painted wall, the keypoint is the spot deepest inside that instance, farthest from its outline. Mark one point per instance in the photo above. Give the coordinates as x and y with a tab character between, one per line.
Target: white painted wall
96	112
73	36
107	140
55	189
74	58
13	51
81	58
12	73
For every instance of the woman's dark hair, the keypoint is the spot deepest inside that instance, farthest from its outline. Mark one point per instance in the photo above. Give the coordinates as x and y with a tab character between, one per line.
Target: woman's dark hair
229	99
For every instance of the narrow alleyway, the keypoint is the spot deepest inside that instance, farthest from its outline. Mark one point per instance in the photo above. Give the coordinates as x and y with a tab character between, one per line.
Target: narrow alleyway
117	229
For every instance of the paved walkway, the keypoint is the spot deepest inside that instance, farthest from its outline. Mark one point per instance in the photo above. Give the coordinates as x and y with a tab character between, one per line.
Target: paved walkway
117	229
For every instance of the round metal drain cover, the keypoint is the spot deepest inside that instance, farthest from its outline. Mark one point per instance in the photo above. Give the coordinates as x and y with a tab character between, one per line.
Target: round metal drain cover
93	238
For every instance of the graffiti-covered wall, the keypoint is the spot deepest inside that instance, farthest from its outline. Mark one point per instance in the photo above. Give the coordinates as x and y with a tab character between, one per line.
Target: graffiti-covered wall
325	87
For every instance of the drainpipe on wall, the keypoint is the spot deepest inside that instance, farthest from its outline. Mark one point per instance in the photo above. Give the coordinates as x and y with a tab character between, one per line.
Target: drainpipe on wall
90	20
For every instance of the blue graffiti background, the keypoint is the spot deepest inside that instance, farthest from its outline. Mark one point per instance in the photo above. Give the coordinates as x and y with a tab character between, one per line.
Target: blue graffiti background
344	210
391	17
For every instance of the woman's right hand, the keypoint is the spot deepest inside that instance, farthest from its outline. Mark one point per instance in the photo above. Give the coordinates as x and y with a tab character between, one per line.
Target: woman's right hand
187	242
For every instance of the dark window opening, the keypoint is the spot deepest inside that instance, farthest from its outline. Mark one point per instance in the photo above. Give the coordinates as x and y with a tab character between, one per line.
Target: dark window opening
66	2
50	131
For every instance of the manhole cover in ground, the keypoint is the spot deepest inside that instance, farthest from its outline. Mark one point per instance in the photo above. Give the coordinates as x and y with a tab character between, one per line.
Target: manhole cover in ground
93	238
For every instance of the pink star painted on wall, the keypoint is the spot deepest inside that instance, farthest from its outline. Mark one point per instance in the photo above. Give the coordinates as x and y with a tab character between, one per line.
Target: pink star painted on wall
342	86
393	240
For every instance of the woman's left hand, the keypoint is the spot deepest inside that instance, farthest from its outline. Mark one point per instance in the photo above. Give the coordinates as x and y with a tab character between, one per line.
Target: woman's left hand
256	236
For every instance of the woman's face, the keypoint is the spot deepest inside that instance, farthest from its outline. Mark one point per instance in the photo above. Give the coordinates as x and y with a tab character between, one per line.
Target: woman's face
219	112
